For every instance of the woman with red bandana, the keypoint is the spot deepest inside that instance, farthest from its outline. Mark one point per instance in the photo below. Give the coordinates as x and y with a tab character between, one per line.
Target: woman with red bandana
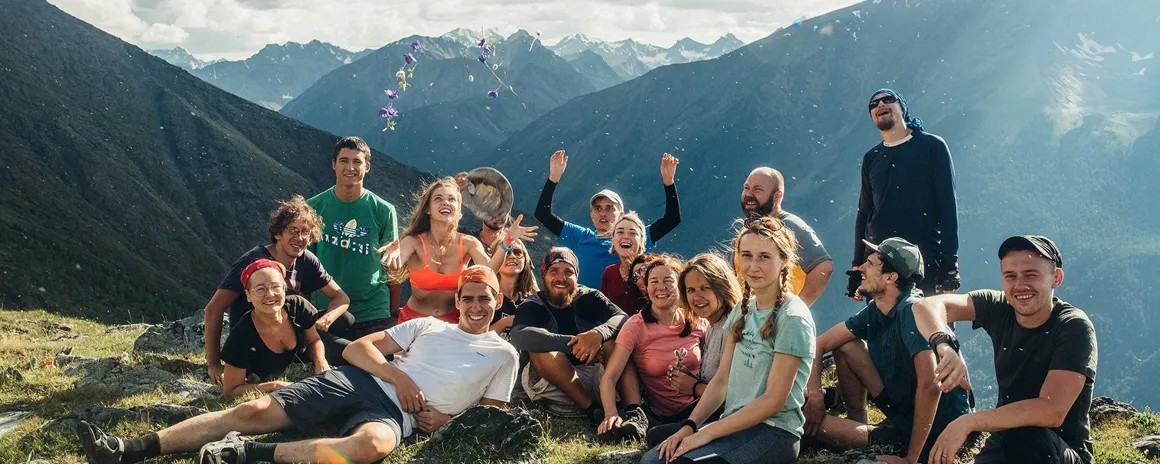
278	331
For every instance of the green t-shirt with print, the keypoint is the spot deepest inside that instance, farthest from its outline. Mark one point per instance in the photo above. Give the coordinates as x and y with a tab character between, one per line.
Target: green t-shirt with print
351	234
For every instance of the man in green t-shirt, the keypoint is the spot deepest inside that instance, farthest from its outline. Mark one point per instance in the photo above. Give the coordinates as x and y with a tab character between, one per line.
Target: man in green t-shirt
879	351
355	223
1045	361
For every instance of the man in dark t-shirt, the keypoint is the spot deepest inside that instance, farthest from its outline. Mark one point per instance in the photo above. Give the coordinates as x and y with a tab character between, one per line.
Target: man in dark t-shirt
293	227
1045	361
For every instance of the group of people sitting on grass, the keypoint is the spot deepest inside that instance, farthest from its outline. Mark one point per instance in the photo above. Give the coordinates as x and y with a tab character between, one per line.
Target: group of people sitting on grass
711	360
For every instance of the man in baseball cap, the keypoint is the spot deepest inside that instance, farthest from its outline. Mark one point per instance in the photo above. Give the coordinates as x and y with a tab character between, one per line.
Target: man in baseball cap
564	329
592	245
1045	360
879	352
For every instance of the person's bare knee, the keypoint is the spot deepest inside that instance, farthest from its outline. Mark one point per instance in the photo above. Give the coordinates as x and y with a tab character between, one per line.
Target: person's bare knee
371	442
553	366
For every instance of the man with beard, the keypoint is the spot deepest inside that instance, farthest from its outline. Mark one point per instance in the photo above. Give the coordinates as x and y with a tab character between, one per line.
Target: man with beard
908	191
566	330
1045	361
762	195
293	227
593	245
879	351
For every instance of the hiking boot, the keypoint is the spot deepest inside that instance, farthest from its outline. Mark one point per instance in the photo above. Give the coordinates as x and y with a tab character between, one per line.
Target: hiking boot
832	400
99	448
229	450
635	424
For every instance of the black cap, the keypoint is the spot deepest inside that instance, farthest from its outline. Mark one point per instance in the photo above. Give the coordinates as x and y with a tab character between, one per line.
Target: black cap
1043	245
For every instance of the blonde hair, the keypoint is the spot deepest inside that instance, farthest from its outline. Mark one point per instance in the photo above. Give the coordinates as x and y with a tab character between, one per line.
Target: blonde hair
773	230
634	218
721	279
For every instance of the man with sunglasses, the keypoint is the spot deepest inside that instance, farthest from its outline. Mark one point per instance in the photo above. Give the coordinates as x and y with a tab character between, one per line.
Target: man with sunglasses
293	227
908	191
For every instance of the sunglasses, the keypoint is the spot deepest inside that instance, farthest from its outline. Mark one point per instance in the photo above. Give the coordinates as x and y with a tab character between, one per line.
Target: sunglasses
887	100
517	253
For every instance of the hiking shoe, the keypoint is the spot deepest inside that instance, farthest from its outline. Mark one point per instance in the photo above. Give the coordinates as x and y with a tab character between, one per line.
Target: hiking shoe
635	425
99	448
229	450
833	400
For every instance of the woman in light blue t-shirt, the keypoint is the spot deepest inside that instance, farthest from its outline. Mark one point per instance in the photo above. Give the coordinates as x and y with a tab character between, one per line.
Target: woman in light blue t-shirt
764	367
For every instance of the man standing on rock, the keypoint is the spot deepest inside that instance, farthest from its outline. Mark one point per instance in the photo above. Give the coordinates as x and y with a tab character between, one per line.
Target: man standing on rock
879	351
356	222
293	227
1045	361
908	191
375	403
567	331
592	245
761	195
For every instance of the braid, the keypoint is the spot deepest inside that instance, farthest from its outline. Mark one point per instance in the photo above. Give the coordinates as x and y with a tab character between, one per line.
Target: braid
739	326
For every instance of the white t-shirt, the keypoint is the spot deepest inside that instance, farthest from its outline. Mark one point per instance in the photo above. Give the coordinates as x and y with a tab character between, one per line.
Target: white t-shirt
453	368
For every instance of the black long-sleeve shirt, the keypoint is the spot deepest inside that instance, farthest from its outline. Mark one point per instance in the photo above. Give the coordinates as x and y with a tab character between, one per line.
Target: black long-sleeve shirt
908	191
540	327
590	248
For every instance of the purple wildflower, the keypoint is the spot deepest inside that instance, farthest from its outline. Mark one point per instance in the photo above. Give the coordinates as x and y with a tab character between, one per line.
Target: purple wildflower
482	43
385	112
416	45
409	58
493	94
483	58
392	94
392	112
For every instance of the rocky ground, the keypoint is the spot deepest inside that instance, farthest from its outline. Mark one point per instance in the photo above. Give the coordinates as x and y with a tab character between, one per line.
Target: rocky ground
134	378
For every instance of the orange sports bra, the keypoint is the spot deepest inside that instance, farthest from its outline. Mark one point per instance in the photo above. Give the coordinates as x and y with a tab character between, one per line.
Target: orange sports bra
428	280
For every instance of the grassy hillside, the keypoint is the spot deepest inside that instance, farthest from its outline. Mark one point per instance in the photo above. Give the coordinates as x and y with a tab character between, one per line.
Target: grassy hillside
27	346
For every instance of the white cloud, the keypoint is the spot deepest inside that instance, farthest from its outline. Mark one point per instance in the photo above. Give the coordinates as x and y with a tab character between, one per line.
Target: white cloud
164	34
235	29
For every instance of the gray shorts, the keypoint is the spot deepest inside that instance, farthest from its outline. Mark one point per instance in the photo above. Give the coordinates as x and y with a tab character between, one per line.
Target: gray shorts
346	398
538	388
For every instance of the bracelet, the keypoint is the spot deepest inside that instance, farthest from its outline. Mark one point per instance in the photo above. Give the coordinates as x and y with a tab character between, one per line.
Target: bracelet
941	337
689	423
505	247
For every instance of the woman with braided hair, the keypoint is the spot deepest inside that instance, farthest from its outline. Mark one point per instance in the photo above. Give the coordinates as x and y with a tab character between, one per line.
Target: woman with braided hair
764	367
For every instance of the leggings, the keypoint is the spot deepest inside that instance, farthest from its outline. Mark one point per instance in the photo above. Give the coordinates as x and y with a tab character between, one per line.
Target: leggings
762	443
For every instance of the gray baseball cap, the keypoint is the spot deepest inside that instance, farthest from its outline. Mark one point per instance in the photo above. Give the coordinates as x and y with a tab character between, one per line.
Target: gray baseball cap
902	255
610	195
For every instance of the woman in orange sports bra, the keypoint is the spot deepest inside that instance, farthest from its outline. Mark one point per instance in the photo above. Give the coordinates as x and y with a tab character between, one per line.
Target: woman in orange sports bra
435	253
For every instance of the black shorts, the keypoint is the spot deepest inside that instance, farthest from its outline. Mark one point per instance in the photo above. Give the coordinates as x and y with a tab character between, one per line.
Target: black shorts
346	398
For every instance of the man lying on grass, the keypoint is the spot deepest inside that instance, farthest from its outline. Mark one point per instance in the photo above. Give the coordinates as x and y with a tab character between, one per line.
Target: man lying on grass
373	403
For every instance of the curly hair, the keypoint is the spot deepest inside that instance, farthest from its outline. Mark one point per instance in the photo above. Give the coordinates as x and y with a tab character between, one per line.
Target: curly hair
292	210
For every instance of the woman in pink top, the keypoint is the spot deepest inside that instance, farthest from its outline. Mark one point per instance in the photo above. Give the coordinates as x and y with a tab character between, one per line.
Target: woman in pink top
664	337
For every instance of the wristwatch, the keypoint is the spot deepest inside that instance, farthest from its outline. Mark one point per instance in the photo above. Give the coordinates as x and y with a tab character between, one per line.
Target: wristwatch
941	337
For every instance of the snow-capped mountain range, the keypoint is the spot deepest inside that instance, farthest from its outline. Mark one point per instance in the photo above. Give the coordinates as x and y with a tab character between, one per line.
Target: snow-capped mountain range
631	58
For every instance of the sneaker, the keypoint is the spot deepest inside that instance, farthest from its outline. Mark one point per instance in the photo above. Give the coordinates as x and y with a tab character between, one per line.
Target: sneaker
99	448
229	450
635	425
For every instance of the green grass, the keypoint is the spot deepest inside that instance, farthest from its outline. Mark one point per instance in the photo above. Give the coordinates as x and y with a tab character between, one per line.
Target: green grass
26	345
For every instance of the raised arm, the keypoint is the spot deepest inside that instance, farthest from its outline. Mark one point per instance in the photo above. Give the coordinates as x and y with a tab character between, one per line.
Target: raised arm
672	217
544	212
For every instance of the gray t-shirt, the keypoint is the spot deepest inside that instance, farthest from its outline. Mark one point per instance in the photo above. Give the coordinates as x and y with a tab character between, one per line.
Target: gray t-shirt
714	347
810	250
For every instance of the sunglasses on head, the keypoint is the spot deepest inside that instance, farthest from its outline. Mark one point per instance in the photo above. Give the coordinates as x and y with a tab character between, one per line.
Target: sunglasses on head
888	99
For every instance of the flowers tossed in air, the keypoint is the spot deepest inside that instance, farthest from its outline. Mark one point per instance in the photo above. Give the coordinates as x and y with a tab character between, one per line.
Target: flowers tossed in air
391	94
493	94
416	45
409	58
488	51
389	113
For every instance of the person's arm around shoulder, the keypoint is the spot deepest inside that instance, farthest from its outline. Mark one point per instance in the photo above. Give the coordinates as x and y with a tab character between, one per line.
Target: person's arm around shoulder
932	315
214	311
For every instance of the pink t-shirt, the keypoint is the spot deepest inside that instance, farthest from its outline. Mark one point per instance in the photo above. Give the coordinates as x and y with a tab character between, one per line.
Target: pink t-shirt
654	347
